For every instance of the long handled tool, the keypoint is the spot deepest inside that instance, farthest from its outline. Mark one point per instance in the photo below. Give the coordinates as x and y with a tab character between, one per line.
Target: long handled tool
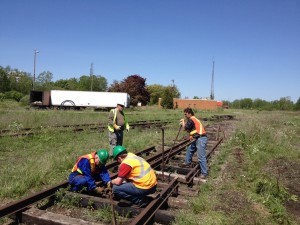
114	220
174	143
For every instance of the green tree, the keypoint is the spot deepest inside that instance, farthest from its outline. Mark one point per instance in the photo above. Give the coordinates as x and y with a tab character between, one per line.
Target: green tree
4	81
43	81
246	103
167	98
60	84
236	104
13	95
20	81
259	103
70	84
156	92
99	83
285	103
297	104
84	83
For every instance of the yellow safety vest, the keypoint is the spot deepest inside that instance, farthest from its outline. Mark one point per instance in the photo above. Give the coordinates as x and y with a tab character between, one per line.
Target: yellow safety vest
141	175
111	128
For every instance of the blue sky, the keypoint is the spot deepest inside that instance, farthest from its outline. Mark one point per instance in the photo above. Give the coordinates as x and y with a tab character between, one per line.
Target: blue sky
255	44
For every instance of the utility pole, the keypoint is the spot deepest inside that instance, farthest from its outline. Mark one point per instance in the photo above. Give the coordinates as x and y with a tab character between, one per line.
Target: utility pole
34	62
91	76
212	95
173	85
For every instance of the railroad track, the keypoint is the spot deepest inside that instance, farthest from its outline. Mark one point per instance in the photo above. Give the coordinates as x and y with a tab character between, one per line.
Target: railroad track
78	128
175	186
19	132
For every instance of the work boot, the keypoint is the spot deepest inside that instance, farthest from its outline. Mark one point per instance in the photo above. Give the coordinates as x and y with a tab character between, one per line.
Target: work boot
183	165
144	202
203	177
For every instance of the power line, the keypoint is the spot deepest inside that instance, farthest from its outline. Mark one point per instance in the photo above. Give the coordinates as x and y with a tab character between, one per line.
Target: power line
212	95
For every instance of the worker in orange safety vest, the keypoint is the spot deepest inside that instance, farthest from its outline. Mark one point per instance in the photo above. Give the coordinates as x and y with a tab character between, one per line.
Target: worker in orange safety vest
89	171
196	131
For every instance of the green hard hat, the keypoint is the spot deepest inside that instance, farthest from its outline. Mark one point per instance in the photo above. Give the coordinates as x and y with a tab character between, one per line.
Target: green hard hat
103	156
118	150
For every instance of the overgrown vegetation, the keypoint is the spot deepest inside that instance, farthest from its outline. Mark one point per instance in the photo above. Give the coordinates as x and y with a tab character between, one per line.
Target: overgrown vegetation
251	179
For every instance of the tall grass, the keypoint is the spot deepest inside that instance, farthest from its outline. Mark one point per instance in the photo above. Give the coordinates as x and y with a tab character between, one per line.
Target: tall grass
31	163
247	182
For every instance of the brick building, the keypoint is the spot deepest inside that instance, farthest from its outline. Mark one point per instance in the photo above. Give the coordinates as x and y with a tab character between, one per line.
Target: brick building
195	104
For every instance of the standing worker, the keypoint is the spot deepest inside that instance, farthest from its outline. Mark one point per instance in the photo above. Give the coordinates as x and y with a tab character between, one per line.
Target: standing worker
196	131
117	123
90	171
135	180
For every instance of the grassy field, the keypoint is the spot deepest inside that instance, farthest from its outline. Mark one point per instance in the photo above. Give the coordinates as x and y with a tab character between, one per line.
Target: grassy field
253	179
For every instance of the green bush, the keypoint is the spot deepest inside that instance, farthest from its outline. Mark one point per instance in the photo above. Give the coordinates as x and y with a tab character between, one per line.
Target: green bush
13	95
2	97
24	100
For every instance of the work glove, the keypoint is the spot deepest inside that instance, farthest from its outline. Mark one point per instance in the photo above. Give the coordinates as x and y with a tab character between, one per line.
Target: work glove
181	122
117	127
99	190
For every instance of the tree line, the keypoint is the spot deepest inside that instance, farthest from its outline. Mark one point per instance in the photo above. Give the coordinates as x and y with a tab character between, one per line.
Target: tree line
284	103
16	84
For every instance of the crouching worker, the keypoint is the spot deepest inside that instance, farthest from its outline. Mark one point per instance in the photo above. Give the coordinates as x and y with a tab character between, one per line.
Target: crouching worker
90	172
135	180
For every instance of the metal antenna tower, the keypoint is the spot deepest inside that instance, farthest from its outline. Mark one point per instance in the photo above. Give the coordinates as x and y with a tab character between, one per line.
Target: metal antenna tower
212	95
91	76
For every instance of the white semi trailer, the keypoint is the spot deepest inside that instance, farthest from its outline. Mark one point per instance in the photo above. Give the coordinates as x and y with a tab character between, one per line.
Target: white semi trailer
78	99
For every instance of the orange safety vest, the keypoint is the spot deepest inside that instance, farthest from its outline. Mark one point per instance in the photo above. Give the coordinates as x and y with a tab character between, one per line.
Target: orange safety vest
141	175
91	158
199	129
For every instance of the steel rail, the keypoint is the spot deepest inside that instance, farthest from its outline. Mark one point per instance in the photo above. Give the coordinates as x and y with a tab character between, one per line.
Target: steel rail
196	169
19	205
76	128
149	212
155	161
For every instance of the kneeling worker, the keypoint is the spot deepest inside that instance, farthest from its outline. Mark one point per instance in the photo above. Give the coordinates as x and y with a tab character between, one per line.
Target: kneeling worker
136	178
90	171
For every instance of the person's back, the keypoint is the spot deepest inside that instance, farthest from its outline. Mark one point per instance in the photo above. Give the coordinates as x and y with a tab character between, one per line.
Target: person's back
136	179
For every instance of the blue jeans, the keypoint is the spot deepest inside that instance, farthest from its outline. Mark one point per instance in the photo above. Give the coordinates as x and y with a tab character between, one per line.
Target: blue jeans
115	138
200	146
130	192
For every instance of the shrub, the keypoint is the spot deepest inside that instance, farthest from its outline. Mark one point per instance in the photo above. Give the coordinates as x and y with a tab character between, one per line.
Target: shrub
2	97
13	95
24	100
